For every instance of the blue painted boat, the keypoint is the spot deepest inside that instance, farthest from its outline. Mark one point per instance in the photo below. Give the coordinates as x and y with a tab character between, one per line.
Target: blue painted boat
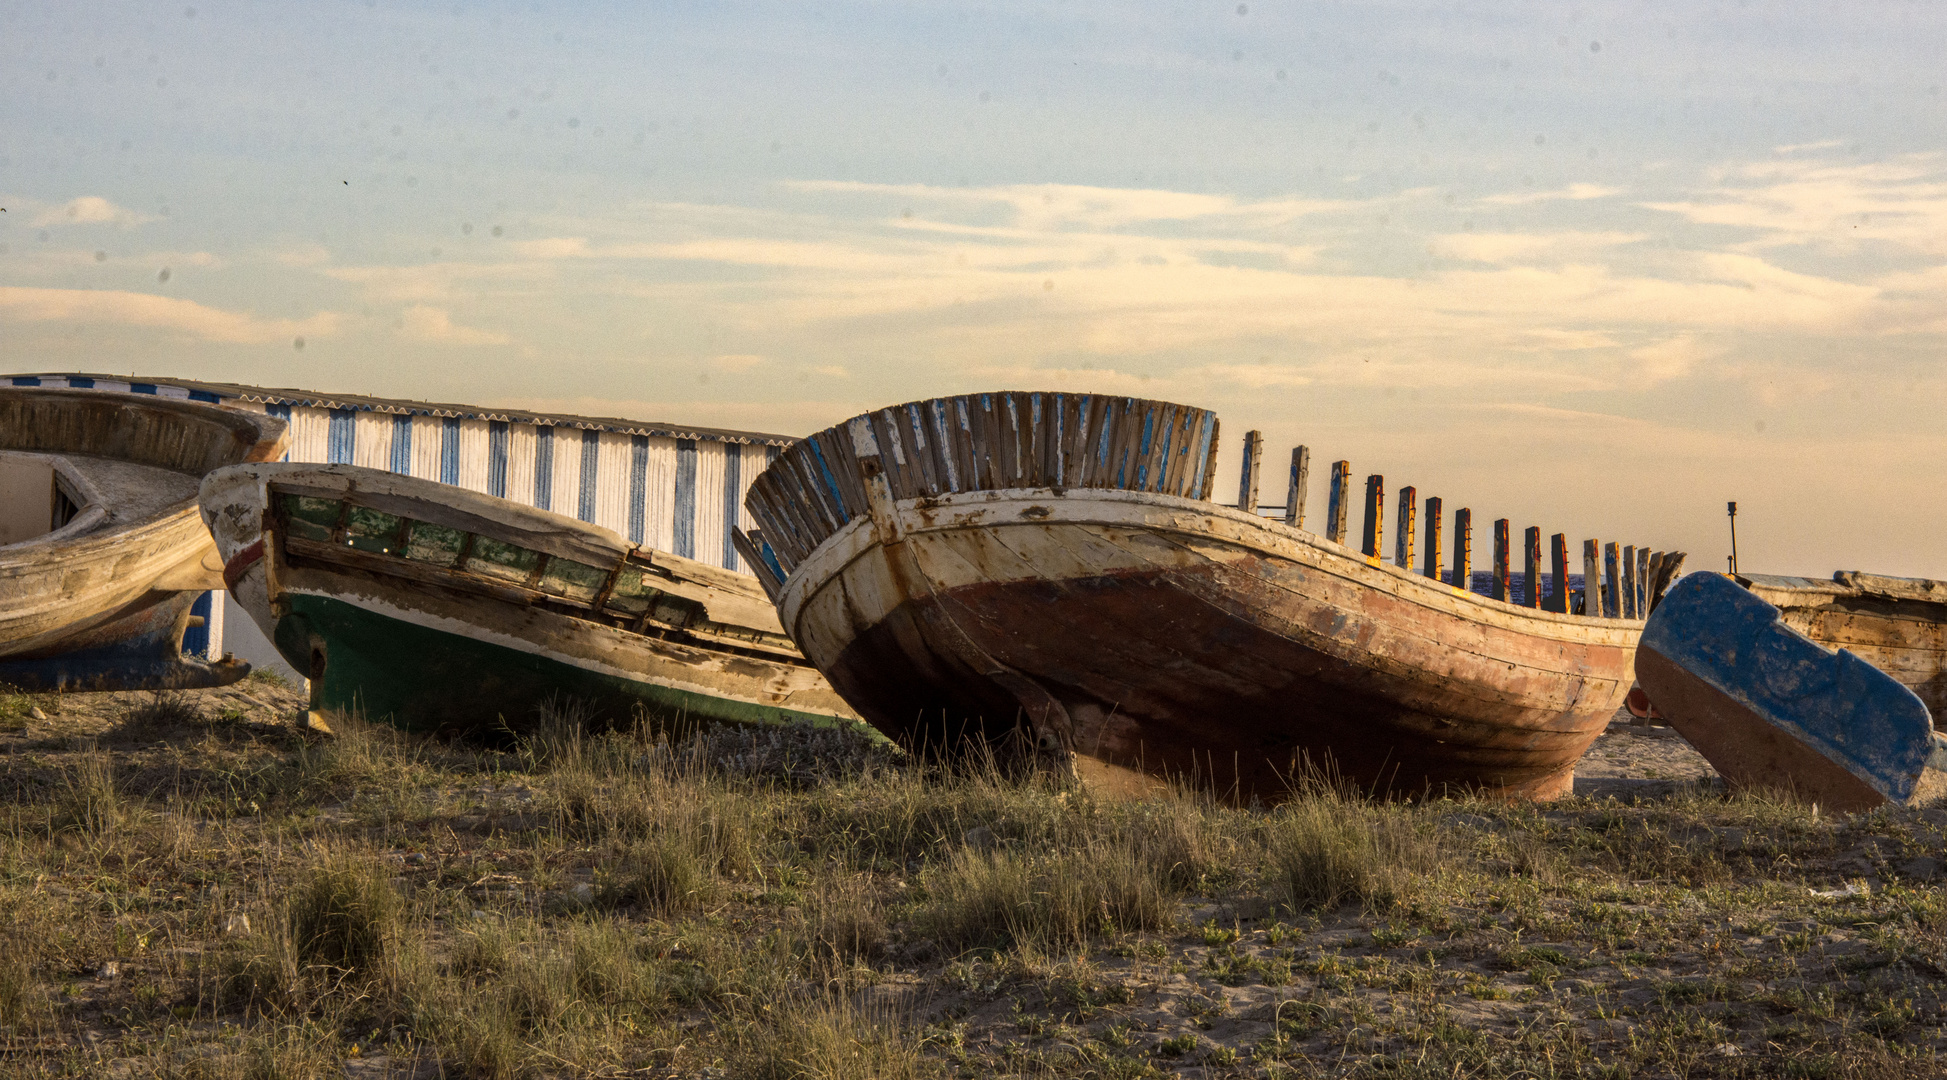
1772	709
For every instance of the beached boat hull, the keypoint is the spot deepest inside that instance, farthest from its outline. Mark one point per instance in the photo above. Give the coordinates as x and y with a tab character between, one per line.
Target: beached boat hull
101	602
426	649
1156	635
1771	709
1898	625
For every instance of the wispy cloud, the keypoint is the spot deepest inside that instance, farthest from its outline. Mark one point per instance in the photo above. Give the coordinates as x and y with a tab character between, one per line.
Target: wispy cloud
427	323
1818	202
1575	192
90	210
20	304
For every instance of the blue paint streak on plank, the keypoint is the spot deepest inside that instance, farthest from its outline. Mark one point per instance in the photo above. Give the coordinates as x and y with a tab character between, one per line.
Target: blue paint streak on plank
141	388
196	639
1203	455
340	435
83	383
591	457
544	467
497	458
638	487
685	539
771	453
402	443
1834	703
733	493
280	412
205	395
771	560
449	450
26	380
845	513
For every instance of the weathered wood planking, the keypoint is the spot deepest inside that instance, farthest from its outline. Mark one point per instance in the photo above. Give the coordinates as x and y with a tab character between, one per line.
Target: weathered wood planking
1558	571
1611	583
1899	625
1294	501
1592	577
102	602
1463	548
1404	526
1341	494
1629	582
1241	647
1375	516
1501	569
1433	523
1253	461
1531	548
1772	709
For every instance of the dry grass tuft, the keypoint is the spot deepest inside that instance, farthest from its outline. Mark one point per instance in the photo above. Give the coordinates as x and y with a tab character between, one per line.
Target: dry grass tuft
824	1037
1009	897
346	915
1325	848
847	923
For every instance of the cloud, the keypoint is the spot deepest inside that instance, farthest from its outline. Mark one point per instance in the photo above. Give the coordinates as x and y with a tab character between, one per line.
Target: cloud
1902	202
21	304
90	210
834	371
1673	357
1505	248
434	324
1043	206
1576	192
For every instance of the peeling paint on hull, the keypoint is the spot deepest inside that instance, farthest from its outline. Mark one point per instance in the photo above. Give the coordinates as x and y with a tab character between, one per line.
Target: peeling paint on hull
1173	637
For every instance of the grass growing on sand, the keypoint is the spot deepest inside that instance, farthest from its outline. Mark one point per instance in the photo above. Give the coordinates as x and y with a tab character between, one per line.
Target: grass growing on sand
195	889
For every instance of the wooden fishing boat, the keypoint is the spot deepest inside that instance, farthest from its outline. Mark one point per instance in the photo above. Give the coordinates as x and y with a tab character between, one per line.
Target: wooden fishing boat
437	608
1898	625
961	565
101	549
1771	708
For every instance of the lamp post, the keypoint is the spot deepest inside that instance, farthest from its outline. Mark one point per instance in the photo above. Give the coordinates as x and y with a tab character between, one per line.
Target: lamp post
1733	538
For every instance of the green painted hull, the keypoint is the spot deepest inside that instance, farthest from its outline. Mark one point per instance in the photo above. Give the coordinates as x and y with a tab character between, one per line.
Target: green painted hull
422	679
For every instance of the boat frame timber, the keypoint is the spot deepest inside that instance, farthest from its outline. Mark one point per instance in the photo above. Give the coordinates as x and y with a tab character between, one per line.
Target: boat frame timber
1158	636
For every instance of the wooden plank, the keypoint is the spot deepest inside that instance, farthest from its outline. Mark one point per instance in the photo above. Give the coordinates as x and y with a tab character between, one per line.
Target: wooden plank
1642	582
1611	582
1592	578
1531	559
1433	538
1629	581
1501	559
1666	572
1294	499
1375	516
1338	496
1210	458
1404	526
1247	481
1558	559
1463	549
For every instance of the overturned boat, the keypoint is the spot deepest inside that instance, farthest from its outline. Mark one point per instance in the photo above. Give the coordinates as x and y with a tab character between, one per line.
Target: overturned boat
1772	709
102	552
961	566
437	608
1896	624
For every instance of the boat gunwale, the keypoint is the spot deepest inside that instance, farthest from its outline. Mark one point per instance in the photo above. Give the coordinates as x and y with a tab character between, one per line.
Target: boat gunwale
93	512
1073	506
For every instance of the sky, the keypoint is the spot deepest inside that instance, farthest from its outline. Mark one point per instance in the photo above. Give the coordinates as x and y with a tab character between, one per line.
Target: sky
1598	268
